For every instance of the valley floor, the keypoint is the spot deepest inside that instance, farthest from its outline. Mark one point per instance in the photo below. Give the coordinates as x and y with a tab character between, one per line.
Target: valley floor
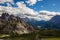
21	38
37	35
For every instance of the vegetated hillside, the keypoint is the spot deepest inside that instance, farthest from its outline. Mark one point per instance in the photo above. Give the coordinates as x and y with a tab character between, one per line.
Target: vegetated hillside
10	24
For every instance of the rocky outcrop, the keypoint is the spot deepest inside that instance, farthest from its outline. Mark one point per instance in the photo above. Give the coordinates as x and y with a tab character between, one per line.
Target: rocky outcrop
10	24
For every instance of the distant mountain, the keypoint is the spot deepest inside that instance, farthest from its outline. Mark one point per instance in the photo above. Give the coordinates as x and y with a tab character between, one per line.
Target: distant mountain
11	24
54	23
35	23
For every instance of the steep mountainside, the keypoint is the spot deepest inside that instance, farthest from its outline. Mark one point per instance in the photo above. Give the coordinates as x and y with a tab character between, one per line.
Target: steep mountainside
54	23
11	24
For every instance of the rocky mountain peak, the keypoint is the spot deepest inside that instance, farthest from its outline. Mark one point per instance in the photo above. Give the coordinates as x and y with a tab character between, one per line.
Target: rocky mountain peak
11	24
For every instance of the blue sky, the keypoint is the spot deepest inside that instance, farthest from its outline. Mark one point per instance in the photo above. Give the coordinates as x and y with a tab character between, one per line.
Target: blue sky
49	5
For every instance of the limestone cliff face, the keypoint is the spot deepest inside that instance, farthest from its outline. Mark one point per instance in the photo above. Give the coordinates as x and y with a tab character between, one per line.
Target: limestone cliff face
10	24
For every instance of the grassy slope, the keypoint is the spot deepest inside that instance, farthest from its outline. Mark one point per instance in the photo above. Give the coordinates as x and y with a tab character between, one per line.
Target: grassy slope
4	35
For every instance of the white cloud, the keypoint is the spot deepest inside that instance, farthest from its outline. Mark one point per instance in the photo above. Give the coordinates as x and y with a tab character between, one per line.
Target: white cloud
8	4
47	15
40	0
3	1
53	4
32	2
23	11
41	6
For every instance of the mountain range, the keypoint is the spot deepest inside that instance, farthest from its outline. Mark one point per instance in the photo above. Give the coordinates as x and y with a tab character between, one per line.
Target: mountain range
53	23
42	20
